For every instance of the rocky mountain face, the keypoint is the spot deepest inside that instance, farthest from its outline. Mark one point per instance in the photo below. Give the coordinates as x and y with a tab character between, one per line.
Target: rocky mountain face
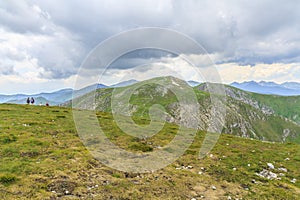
247	114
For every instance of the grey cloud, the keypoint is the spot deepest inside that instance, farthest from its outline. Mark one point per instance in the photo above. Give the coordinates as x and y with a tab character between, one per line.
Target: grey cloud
59	56
95	20
140	57
8	54
243	32
55	73
56	49
23	17
7	70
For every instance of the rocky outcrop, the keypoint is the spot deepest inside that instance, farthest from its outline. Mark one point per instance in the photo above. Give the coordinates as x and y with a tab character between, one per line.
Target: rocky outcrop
242	96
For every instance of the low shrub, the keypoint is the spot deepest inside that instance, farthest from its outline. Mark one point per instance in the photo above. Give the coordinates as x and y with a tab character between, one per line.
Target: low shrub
7	179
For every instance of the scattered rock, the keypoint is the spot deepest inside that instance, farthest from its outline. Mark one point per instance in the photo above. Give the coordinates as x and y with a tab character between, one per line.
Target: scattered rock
213	187
293	180
287	159
106	182
282	169
234	169
185	167
270	165
245	187
267	174
281	174
136	182
29	154
129	175
286	132
62	187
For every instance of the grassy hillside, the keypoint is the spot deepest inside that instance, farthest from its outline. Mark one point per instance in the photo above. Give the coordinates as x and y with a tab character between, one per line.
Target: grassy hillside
262	117
288	107
42	157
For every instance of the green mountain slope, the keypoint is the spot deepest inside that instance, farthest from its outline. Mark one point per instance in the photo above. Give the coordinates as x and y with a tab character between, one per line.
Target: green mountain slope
288	107
262	117
42	157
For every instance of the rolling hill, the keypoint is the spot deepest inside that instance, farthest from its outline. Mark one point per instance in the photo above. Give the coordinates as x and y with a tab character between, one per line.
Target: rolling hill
263	117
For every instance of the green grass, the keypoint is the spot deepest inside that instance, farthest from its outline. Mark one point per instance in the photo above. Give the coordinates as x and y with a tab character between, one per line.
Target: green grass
41	153
7	179
288	107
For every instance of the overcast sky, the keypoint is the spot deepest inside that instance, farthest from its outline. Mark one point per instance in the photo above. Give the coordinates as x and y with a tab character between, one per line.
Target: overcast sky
43	43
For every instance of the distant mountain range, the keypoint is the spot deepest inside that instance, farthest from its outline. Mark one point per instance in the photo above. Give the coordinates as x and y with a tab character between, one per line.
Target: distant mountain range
63	95
262	87
53	98
124	83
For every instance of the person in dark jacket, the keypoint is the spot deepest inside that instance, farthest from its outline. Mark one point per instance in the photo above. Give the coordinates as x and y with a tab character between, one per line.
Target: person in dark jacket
28	100
32	100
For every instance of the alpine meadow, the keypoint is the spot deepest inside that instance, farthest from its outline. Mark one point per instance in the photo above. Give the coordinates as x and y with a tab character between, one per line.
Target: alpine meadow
149	100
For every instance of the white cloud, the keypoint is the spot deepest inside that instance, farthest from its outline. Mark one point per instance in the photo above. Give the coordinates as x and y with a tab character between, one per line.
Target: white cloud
278	72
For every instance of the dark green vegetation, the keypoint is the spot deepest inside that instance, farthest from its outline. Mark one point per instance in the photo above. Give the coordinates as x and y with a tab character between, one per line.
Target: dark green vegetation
42	157
288	107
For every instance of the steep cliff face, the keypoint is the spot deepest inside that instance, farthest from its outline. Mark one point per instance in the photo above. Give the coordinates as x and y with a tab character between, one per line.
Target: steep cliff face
246	114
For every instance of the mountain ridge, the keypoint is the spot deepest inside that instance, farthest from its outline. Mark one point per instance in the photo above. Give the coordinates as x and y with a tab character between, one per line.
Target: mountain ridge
264	87
61	96
263	117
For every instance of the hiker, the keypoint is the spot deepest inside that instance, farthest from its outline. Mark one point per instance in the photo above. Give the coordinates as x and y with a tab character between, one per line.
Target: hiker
32	100
28	100
47	104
